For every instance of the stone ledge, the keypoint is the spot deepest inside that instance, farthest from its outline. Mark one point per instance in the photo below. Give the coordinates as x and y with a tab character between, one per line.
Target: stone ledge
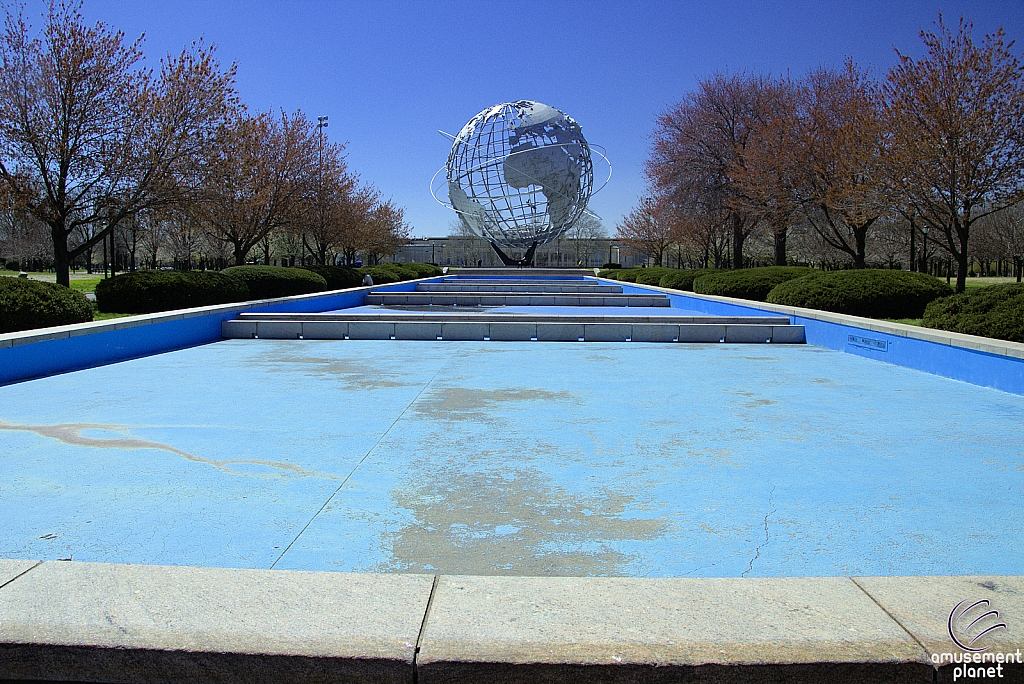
524	629
922	605
135	623
10	570
71	621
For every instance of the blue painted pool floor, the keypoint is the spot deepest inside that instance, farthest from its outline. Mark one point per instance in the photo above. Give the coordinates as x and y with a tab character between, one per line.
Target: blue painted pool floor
515	458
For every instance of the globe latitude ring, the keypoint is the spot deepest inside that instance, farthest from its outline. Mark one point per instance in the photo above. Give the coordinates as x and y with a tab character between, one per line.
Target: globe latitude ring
519	175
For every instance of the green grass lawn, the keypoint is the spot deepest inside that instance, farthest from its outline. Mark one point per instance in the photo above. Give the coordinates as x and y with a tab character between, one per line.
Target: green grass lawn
80	282
85	285
98	316
973	283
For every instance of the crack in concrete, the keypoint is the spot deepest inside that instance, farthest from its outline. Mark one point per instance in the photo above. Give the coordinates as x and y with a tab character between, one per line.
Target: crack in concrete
757	551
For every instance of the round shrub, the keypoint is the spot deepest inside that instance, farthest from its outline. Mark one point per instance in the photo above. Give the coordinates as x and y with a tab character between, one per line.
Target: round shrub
875	293
607	273
338	277
381	275
683	280
612	266
151	291
992	311
627	275
266	282
747	283
404	271
28	304
424	270
652	276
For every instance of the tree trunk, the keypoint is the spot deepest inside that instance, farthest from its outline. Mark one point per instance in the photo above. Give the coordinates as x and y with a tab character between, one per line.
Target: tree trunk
913	248
859	259
60	254
737	241
961	273
780	247
239	254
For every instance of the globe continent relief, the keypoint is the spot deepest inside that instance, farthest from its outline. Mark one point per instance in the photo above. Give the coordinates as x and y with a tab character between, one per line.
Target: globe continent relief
520	173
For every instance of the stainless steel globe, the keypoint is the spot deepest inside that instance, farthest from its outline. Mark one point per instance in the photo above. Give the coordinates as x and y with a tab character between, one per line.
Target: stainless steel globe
520	174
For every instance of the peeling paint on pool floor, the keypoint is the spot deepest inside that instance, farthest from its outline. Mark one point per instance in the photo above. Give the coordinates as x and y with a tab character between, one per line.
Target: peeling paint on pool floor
515	458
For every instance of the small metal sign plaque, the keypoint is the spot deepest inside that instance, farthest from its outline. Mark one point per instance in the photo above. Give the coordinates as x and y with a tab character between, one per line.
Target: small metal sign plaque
869	343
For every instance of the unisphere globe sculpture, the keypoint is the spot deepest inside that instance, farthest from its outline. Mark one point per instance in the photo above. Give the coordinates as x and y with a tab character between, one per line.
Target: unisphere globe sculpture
519	175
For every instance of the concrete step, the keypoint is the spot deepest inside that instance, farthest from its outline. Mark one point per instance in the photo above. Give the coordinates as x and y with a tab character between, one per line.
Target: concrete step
549	288
521	272
495	316
487	330
509	299
518	281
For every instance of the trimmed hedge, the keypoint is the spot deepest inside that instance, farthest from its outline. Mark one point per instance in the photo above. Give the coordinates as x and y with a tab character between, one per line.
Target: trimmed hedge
748	283
992	311
266	282
875	293
338	277
27	304
381	275
683	280
653	275
404	271
626	275
151	291
424	270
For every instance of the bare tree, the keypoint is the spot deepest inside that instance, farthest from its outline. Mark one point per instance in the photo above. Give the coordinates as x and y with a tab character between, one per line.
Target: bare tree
839	145
956	121
384	232
255	179
185	239
354	212
22	237
700	147
649	229
1007	230
819	150
87	134
583	236
154	237
329	204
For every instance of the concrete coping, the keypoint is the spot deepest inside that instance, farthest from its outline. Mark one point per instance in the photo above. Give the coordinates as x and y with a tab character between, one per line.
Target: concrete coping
65	331
72	621
952	339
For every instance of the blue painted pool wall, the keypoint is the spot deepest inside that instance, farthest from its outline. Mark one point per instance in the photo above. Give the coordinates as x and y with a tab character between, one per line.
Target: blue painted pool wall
958	363
49	357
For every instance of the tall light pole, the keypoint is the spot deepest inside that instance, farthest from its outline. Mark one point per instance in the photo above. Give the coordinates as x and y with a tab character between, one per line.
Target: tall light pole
321	124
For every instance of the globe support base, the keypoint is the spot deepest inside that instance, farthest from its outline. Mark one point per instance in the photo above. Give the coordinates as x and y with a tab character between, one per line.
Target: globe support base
525	262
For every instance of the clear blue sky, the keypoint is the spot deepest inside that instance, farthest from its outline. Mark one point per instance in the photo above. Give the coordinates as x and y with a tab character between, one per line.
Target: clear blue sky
390	74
